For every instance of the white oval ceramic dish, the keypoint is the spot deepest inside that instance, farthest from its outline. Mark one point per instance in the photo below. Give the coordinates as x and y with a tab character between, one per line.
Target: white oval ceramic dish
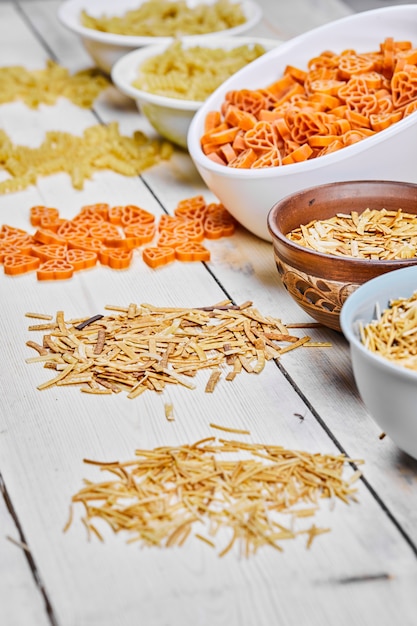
391	154
171	117
389	391
107	48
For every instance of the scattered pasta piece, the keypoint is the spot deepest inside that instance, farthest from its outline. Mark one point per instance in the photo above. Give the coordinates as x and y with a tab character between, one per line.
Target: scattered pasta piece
169	411
228	429
245	489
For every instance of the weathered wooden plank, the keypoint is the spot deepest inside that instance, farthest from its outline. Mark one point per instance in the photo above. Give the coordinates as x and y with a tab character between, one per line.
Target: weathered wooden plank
21	598
245	261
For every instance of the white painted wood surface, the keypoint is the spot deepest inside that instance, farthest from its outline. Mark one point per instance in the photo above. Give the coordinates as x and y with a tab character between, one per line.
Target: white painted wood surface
364	572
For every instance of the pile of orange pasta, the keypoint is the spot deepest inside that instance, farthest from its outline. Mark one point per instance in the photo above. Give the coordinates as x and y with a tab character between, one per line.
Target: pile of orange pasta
340	99
109	235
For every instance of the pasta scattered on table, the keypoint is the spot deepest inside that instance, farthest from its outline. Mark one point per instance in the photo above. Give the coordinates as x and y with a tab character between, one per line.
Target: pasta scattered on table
45	86
232	494
98	148
109	235
147	347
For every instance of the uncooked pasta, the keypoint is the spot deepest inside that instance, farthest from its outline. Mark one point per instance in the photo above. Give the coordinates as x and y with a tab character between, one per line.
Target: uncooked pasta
165	18
46	85
192	73
99	148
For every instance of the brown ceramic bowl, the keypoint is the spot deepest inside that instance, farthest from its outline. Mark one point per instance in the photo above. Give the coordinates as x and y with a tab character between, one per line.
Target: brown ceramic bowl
320	283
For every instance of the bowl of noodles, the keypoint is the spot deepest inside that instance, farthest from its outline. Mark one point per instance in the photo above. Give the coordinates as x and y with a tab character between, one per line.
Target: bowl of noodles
169	82
108	30
379	322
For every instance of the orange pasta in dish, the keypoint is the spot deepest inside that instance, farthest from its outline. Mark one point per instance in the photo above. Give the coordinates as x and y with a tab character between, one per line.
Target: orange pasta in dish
338	100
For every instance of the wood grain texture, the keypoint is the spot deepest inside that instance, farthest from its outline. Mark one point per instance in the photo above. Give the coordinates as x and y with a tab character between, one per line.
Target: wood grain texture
21	599
363	572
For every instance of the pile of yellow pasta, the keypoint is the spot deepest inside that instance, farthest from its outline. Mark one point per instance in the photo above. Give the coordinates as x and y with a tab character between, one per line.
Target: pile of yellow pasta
99	148
45	86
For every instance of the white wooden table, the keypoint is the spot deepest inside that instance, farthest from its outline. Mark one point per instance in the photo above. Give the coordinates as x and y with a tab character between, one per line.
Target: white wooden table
363	572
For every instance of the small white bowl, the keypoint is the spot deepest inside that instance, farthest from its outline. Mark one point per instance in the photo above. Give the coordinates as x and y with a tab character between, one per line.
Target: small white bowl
171	117
106	48
389	391
249	194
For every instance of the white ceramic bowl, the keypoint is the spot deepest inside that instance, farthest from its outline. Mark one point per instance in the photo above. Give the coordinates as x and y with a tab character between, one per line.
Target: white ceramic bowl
106	48
171	117
249	194
389	391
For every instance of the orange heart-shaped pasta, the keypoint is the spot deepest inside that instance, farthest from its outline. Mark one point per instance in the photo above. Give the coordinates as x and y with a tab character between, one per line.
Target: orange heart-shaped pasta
55	269
18	263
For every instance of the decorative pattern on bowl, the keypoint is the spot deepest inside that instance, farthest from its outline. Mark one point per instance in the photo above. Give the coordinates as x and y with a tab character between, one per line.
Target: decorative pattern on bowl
321	299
